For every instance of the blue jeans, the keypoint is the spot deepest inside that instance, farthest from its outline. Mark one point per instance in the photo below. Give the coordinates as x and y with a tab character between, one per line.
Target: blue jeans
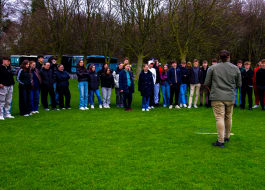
183	94
83	94
156	93
91	95
34	99
145	102
236	98
56	93
166	93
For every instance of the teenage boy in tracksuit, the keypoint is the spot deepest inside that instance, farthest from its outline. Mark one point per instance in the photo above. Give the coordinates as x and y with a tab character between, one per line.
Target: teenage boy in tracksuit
6	89
247	85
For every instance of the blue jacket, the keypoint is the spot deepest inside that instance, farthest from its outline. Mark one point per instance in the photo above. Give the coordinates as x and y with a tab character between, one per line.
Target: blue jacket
184	75
171	75
123	83
146	84
62	79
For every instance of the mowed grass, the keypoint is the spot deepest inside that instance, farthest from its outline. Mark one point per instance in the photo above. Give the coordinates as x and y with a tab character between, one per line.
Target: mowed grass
114	149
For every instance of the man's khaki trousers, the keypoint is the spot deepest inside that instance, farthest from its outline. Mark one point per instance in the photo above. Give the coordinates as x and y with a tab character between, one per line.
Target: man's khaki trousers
223	112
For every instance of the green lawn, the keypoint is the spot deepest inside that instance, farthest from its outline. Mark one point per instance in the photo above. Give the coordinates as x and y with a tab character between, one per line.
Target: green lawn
114	149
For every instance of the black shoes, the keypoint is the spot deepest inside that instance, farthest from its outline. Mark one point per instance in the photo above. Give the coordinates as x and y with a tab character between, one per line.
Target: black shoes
217	143
227	140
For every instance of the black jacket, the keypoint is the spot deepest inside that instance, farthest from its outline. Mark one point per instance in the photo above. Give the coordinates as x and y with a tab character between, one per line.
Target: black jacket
82	74
6	76
47	77
39	65
24	78
146	84
54	69
260	77
202	75
158	78
107	81
93	81
62	79
247	77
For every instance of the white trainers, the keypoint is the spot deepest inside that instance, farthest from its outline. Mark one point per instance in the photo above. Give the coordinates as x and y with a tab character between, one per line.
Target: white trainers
184	105
170	107
9	116
86	108
26	115
152	107
256	106
47	109
195	106
143	109
36	112
92	107
82	108
189	106
147	110
177	107
100	106
164	106
108	107
180	105
2	118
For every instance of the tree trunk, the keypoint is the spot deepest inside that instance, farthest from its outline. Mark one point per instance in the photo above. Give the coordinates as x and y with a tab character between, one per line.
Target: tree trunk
140	59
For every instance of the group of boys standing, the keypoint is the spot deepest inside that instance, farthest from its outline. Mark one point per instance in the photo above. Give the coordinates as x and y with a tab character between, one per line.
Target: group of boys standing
48	78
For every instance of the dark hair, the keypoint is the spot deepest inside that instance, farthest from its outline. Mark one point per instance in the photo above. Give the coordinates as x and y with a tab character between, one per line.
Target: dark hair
59	65
145	64
6	58
205	61
214	60
90	67
78	65
224	55
106	70
195	60
240	61
173	62
23	65
40	56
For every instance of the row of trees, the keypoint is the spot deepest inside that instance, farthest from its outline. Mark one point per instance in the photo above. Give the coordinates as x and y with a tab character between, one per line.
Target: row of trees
138	29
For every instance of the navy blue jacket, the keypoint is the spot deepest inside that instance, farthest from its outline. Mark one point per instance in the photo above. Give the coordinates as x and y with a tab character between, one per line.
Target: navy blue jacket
184	75
93	81
192	76
146	83
123	83
203	74
171	75
24	78
62	79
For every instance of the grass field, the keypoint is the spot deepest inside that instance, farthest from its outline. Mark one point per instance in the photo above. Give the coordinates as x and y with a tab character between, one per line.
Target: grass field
113	149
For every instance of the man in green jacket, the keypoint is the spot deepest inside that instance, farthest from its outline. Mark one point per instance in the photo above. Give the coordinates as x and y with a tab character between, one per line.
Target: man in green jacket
223	79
